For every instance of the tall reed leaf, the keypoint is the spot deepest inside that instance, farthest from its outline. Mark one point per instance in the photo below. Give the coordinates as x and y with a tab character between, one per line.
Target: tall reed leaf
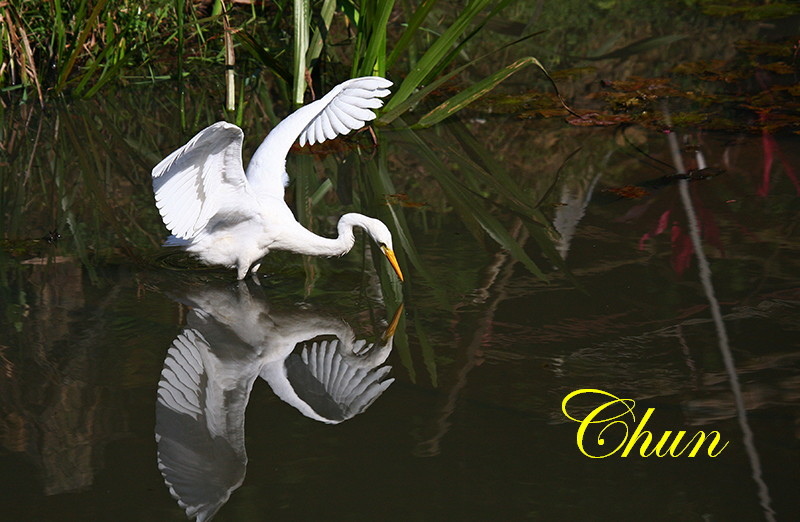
477	90
302	20
268	60
374	61
470	206
387	116
321	31
77	48
437	52
413	26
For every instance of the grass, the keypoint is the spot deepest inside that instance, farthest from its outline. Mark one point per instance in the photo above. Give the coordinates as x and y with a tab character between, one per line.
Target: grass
80	47
100	45
76	46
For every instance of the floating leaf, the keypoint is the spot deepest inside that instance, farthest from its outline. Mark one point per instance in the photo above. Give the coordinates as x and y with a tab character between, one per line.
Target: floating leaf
593	119
754	12
628	192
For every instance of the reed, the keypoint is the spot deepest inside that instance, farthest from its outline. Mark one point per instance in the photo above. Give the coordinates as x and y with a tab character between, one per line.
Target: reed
94	44
77	46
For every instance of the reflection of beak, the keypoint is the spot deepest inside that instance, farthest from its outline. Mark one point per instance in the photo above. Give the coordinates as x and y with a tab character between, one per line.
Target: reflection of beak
392	260
389	333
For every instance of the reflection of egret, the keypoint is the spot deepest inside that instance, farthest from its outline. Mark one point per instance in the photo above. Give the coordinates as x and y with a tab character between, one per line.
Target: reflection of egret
230	339
228	217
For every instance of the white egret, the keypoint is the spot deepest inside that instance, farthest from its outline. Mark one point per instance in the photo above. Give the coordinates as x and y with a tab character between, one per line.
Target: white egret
226	216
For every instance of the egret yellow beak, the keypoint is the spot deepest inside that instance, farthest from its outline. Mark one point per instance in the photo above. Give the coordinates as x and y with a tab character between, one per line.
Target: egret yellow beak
392	260
393	325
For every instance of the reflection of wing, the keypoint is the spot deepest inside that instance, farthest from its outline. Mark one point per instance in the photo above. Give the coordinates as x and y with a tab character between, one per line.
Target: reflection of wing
231	338
199	429
325	385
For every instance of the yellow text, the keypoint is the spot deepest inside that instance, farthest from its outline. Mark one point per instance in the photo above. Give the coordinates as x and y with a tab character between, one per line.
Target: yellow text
615	414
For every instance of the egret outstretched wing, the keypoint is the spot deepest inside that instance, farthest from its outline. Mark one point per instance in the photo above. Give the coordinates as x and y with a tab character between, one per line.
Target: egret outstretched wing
196	181
344	109
349	106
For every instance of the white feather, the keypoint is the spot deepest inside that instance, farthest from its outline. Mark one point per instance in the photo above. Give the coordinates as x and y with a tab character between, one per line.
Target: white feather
201	178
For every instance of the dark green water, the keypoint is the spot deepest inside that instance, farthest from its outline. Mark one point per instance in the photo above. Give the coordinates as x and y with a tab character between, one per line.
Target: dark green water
468	422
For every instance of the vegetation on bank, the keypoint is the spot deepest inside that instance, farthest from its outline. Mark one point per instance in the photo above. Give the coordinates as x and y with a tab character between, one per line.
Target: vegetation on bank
78	47
298	44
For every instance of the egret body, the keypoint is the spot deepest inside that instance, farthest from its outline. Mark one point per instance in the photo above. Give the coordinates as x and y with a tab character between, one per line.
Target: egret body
227	216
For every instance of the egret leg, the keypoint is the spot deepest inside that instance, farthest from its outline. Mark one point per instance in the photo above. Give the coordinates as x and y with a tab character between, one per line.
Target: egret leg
254	273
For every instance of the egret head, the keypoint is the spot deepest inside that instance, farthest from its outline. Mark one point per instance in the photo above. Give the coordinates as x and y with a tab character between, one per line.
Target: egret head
379	233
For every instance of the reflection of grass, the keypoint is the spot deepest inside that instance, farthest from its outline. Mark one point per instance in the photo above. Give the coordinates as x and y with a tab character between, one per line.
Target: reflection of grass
83	176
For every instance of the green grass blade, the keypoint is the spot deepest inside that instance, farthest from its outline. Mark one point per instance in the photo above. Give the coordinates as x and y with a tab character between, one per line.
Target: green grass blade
351	11
374	62
434	55
501	181
639	46
77	48
459	47
389	115
470	94
377	184
302	21
180	20
469	206
323	189
420	13
304	178
261	54
110	62
513	195
321	31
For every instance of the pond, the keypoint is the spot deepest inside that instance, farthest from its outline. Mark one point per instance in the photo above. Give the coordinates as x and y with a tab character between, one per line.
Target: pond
622	272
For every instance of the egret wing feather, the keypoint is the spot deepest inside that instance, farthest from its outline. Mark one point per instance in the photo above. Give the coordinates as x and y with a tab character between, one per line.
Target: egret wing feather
198	180
348	107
